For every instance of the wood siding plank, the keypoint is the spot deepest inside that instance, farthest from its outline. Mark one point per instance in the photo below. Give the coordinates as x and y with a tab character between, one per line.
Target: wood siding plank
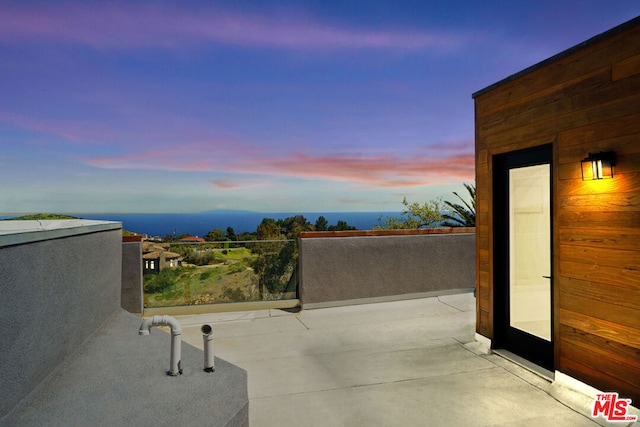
620	238
600	274
592	133
610	202
610	349
617	296
601	220
601	328
625	68
593	357
597	308
618	258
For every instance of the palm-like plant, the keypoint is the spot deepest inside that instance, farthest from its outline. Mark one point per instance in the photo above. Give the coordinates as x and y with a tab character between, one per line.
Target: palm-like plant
459	215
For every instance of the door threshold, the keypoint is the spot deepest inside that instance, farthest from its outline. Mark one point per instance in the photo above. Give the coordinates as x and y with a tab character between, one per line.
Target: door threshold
524	363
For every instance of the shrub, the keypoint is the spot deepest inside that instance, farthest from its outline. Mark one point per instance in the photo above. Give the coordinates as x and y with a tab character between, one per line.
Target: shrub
205	275
232	295
201	257
237	267
161	282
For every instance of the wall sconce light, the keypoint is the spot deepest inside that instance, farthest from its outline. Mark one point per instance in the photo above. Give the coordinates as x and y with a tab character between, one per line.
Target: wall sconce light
598	166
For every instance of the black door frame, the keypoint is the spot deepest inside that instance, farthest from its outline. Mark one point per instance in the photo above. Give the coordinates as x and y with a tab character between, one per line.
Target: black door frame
530	347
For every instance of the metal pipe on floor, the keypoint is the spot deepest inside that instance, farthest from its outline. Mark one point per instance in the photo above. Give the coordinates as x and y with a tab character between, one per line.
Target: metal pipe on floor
207	337
176	339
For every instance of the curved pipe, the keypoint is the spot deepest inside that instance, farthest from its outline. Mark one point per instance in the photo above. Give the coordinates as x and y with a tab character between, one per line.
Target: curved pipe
176	338
207	336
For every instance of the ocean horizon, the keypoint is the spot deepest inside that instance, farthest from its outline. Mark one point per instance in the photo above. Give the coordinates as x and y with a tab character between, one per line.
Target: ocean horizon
199	224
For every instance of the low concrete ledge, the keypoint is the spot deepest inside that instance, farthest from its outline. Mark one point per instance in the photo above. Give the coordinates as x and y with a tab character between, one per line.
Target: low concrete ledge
187	310
21	232
386	298
119	378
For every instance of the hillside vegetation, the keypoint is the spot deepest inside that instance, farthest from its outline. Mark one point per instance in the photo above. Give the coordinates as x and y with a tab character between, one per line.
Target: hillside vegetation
229	278
40	216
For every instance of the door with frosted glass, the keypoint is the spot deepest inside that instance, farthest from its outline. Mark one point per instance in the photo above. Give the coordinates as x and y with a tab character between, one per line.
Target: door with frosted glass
522	227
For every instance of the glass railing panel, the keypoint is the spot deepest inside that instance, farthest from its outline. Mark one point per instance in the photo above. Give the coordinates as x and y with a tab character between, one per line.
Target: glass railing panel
220	272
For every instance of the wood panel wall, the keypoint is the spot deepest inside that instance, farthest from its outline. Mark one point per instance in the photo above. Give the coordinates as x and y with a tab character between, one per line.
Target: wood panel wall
585	100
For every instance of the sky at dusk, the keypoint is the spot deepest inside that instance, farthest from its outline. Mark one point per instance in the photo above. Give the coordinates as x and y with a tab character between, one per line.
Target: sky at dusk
283	106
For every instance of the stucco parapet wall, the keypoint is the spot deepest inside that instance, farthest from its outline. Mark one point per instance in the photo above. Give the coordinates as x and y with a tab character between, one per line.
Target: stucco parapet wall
354	267
382	233
21	232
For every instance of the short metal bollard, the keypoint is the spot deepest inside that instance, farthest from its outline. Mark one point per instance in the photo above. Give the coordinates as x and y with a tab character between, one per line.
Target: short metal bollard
207	336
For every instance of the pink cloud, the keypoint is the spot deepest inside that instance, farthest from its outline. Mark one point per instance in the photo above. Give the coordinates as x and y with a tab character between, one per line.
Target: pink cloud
71	130
228	184
135	25
371	171
377	171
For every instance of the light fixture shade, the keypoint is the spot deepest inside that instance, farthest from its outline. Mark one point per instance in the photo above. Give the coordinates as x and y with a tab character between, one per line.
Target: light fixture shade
598	166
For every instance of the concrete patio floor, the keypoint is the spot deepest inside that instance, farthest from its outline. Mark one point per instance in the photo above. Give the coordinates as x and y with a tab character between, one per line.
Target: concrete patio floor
401	363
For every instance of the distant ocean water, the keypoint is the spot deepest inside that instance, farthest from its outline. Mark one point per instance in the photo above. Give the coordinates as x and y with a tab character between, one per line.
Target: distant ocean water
199	224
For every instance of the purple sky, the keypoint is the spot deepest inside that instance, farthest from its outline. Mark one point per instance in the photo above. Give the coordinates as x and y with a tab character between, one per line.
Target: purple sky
305	106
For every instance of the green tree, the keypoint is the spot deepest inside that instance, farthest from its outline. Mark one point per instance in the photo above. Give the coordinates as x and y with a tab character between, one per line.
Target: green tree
246	235
277	261
216	235
231	234
268	229
415	215
293	225
341	226
462	215
321	223
267	252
